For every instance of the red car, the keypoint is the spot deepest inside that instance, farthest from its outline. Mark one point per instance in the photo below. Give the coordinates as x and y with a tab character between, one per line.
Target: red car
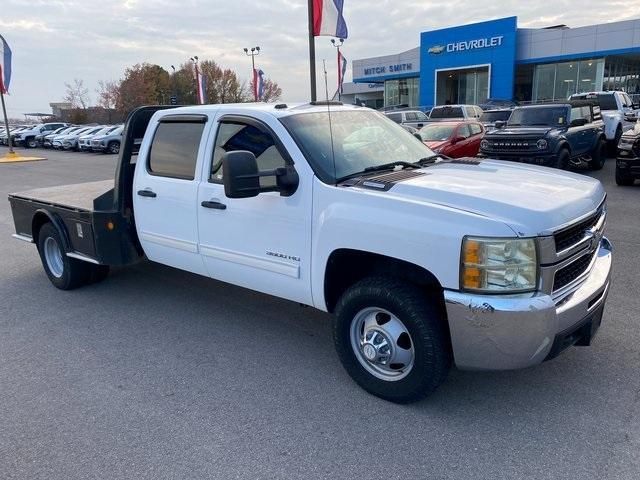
454	139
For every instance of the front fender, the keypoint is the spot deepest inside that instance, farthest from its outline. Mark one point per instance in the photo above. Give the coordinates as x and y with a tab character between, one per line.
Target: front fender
426	235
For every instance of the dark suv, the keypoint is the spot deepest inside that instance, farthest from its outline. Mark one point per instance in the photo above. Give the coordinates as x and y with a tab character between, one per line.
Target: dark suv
628	158
554	135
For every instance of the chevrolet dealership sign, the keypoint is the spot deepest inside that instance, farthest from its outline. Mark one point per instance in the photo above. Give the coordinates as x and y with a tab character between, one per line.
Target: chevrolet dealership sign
487	42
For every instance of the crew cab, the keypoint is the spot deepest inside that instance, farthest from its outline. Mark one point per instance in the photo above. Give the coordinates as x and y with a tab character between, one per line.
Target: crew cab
619	113
554	135
423	261
628	157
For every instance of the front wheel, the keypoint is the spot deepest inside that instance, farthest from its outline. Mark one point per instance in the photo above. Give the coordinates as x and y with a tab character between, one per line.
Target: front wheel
598	156
114	147
31	142
623	180
391	339
562	159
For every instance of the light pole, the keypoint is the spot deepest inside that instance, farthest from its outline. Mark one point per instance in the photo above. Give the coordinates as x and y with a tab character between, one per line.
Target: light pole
253	52
338	44
174	97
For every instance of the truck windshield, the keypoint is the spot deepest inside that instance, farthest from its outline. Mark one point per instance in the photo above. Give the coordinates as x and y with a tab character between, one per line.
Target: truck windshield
446	112
538	116
361	139
494	116
607	101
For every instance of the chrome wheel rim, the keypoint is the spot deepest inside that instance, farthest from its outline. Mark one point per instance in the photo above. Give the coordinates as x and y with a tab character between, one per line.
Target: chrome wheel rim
53	256
382	344
115	148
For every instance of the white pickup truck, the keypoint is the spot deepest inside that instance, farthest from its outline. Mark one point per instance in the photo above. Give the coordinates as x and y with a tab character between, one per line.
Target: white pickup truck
424	261
619	113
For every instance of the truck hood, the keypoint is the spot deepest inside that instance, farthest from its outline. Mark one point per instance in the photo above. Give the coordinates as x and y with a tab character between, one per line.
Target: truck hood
528	198
515	131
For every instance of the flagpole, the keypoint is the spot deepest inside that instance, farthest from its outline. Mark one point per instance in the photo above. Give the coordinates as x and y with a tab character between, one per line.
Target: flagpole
312	53
6	123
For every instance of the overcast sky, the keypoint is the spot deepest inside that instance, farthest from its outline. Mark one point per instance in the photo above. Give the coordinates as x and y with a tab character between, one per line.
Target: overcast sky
55	41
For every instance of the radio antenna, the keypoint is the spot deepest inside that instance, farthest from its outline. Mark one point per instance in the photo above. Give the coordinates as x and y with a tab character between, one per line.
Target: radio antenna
326	95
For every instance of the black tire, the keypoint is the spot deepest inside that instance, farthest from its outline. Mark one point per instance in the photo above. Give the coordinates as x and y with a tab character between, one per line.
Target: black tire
623	180
97	273
30	142
113	147
74	274
424	323
598	156
562	159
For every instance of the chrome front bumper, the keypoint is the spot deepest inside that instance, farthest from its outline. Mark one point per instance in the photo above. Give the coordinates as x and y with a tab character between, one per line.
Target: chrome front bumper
503	332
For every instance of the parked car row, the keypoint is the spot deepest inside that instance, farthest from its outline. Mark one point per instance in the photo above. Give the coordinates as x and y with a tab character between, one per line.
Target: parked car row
62	136
561	135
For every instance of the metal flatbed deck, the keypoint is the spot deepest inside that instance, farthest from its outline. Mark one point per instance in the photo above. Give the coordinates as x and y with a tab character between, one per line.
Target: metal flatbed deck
78	196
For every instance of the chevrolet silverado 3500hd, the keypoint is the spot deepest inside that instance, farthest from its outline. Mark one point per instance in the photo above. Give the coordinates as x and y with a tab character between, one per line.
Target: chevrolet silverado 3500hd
424	261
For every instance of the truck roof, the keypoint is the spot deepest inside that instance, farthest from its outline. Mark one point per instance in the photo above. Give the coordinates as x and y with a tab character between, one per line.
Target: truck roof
277	109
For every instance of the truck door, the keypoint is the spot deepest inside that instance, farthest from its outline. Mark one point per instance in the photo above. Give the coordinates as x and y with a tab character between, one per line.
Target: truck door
577	135
166	190
262	243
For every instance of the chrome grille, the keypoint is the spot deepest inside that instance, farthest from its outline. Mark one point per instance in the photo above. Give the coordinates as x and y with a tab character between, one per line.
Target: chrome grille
572	272
575	233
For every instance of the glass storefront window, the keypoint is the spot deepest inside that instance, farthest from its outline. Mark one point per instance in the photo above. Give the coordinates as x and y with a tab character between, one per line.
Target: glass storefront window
587	80
544	79
403	91
462	86
557	81
566	79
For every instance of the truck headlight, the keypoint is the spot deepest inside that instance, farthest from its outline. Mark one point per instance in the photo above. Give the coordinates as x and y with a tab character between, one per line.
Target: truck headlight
542	144
498	265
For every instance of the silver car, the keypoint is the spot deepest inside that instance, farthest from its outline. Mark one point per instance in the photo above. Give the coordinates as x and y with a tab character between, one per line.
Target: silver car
84	142
109	143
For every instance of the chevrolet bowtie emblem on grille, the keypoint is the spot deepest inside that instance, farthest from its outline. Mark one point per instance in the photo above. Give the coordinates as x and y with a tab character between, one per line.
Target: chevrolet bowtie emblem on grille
594	239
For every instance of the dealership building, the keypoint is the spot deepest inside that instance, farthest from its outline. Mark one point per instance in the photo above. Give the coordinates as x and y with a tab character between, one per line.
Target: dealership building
497	59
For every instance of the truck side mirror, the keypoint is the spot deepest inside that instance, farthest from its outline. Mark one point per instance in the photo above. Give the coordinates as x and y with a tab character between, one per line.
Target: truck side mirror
241	176
499	124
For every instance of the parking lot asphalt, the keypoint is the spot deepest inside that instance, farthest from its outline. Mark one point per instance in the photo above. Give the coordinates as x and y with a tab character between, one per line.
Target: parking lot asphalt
156	373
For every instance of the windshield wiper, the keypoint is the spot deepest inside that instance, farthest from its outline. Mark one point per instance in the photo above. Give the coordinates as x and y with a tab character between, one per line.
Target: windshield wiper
385	166
390	165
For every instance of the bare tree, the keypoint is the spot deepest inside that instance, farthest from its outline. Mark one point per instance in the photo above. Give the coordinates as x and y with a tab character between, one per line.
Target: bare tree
77	95
108	96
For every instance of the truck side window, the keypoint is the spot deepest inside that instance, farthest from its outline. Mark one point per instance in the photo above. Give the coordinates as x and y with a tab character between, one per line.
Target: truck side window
476	128
576	112
174	151
463	131
396	117
234	136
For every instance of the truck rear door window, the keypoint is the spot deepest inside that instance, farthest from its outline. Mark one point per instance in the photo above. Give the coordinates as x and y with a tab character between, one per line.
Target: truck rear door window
174	151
